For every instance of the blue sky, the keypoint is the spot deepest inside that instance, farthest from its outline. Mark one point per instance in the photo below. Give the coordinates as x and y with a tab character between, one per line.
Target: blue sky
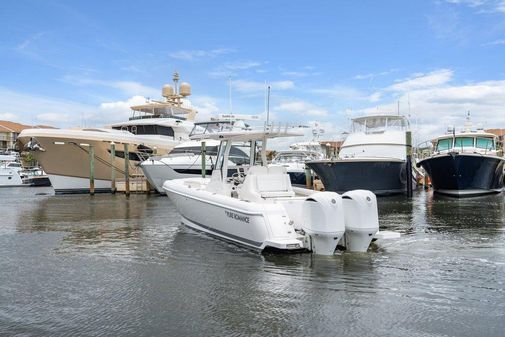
82	63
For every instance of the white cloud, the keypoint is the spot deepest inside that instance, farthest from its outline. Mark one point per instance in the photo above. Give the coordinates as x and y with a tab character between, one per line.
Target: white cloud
471	3
53	117
301	108
500	7
8	116
31	108
495	43
129	88
206	106
121	109
27	42
193	55
419	81
232	68
438	106
251	86
342	93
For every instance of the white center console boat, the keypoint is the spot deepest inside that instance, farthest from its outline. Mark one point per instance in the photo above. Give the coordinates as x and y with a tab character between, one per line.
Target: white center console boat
258	208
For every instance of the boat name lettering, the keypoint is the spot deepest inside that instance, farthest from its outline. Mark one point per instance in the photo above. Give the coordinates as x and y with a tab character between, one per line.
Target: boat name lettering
238	217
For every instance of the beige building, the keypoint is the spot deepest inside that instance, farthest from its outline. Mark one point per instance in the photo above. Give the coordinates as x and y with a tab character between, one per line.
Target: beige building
9	132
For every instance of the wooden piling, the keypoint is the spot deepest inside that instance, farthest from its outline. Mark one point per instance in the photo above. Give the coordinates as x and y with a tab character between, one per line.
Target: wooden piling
91	152
308	177
203	153
127	170
408	165
113	168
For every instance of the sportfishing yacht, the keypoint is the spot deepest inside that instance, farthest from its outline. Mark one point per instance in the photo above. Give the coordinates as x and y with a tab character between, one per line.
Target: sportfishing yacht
155	127
372	157
465	163
185	159
259	209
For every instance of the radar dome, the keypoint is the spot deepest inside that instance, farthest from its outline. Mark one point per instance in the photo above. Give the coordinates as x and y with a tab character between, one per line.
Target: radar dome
167	91
185	89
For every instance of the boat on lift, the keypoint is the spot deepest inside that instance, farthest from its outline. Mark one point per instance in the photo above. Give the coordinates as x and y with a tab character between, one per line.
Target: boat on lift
259	209
185	160
372	157
154	128
466	163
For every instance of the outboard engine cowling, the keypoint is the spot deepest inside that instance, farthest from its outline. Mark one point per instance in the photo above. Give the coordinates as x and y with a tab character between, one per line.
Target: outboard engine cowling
323	221
361	219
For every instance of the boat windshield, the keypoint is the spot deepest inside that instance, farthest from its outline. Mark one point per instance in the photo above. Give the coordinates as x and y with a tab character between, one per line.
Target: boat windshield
211	127
485	143
444	144
461	142
379	124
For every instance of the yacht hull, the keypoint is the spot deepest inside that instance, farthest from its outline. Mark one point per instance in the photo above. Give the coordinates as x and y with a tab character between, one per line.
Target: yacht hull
465	175
10	178
381	176
66	160
297	178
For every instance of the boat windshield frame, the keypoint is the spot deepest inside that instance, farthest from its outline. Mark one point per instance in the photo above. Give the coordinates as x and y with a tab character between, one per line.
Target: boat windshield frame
379	124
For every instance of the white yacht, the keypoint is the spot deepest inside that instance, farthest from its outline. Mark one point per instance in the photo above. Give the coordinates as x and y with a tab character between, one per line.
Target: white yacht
259	209
185	159
294	159
155	128
466	163
372	157
294	162
10	170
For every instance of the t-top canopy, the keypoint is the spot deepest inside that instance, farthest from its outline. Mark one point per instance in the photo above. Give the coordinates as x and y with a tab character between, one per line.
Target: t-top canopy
270	131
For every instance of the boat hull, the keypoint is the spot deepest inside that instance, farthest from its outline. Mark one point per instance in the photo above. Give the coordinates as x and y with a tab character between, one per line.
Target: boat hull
233	220
464	175
381	176
10	178
66	162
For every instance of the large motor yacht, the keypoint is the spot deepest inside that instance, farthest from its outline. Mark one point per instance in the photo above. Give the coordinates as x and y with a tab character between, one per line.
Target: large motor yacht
372	157
465	163
185	159
155	127
259	209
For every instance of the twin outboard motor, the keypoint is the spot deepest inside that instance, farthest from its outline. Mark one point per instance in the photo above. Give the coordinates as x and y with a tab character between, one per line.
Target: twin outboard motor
361	219
323	221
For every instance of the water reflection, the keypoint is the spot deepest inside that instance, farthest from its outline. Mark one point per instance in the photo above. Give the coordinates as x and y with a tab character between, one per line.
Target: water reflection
117	264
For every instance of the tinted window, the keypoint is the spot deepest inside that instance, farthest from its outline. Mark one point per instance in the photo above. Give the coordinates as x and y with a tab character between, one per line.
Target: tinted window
485	143
463	142
444	144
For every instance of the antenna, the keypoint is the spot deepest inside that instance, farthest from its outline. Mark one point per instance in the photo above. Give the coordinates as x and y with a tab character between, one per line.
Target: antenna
268	104
398	107
408	100
230	106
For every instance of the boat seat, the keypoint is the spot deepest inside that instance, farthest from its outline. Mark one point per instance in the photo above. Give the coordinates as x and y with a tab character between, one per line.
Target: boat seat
262	183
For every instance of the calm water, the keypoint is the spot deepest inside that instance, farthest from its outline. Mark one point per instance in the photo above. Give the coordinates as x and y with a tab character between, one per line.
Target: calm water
108	265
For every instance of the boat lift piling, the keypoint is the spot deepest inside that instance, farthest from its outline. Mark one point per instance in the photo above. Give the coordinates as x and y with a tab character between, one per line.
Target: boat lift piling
408	165
91	152
203	151
113	168
127	170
